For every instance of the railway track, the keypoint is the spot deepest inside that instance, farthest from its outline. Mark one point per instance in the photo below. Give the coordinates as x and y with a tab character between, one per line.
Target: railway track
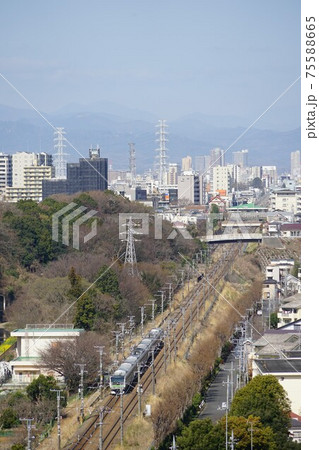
179	322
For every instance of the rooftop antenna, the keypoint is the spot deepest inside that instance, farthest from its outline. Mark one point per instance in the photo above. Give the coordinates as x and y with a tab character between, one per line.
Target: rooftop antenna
162	154
60	156
132	167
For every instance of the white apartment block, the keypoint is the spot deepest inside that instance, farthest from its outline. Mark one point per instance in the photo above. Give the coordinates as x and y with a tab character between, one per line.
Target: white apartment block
286	200
28	172
222	176
21	160
32	184
5	171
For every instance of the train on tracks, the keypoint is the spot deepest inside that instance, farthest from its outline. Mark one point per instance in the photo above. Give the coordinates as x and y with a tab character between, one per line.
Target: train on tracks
124	377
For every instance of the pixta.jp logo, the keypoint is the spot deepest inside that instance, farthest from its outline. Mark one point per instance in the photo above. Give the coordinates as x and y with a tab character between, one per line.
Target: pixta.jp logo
76	225
138	223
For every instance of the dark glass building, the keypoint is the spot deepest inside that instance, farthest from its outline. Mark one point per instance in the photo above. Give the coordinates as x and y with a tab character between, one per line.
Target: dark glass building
86	175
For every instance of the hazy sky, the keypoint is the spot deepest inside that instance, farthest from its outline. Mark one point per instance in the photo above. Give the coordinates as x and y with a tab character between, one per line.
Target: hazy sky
169	57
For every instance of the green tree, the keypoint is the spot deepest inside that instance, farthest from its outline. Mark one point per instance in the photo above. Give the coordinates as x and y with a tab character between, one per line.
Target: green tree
9	418
76	288
295	268
85	312
257	183
215	210
108	282
274	320
197	436
263	437
40	388
264	397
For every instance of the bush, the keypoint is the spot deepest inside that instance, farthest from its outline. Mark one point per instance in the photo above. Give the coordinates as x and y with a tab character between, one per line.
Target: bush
18	447
9	418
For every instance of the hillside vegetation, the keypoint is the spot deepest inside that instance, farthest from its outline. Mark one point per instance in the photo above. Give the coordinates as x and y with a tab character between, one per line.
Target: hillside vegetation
42	278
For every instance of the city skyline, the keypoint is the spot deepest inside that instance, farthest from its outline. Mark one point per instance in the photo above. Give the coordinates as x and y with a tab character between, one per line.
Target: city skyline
173	61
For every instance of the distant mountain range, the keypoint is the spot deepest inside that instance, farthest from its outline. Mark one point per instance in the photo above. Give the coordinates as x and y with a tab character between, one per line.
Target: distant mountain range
113	127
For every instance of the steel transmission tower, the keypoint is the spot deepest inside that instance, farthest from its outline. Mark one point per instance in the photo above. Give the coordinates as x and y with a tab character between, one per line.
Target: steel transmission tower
60	156
130	255
132	167
162	154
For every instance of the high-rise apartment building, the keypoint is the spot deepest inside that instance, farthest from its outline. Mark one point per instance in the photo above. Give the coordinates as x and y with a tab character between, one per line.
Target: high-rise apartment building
202	164
173	172
21	160
217	157
222	177
32	184
256	172
295	164
28	172
5	171
186	163
240	158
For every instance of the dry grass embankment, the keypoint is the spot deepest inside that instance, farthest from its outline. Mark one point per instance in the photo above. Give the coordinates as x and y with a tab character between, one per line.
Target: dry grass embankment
183	379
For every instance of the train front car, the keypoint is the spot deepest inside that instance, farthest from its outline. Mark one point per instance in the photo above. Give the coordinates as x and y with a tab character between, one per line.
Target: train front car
117	381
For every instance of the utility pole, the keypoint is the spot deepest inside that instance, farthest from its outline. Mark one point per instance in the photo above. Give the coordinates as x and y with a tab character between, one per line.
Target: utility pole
183	319
232	369
227	383
232	440
100	350
251	435
170	295
117	335
58	403
165	362
81	390
121	401
101	428
29	428
153	301
191	313
153	373
131	328
142	320
162	301
139	389
175	342
122	335
169	340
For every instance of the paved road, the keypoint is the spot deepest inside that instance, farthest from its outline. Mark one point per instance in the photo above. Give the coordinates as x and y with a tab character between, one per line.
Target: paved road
216	393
